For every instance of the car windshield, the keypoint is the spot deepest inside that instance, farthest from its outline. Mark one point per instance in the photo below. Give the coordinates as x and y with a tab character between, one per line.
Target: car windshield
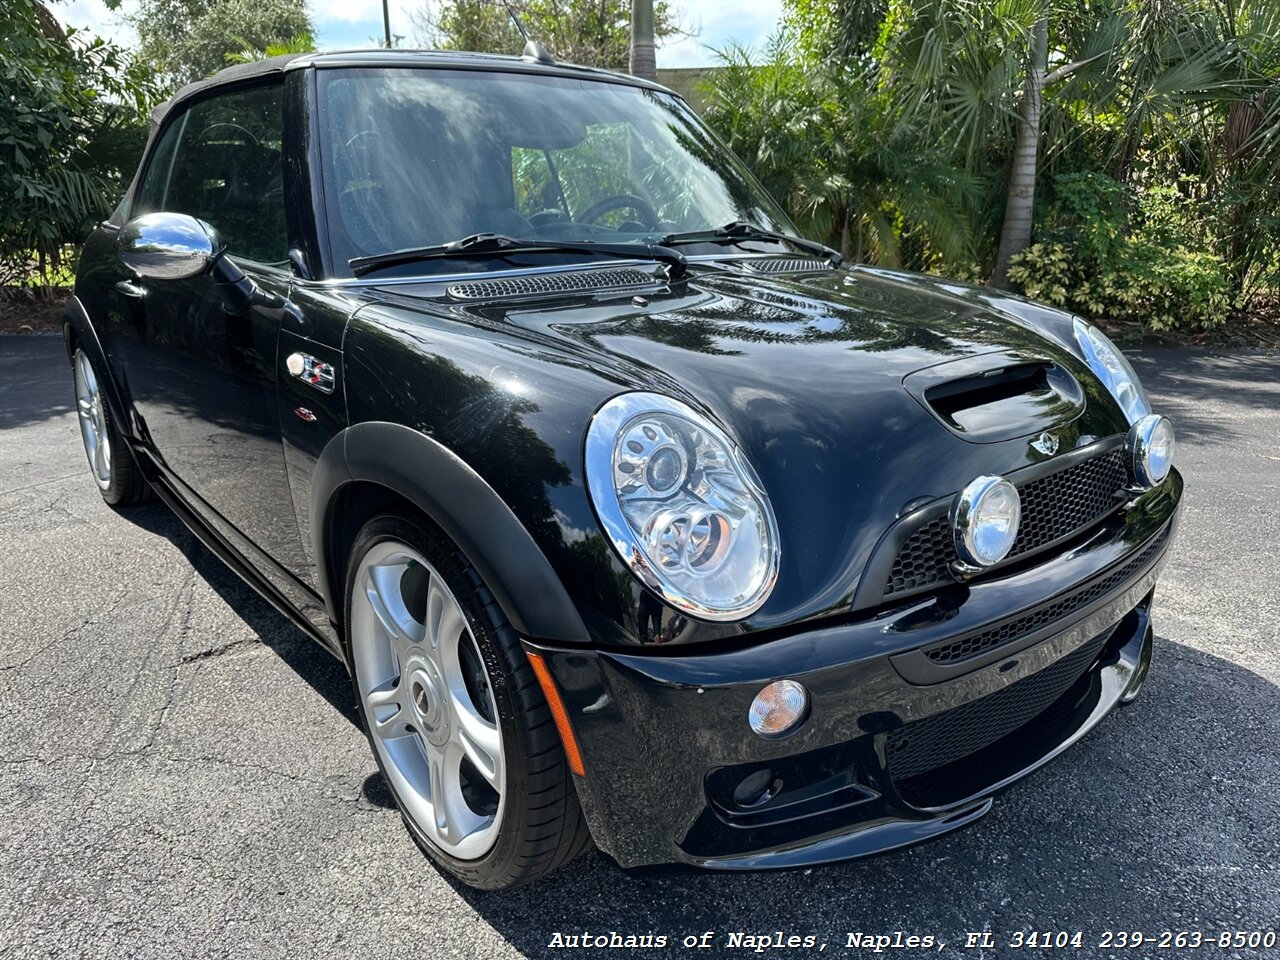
419	157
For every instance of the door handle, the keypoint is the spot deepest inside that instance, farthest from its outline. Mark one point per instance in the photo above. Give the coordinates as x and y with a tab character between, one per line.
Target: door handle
130	289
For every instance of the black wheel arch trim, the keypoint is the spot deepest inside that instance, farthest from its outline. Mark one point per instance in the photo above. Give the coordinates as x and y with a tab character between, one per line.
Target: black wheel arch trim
75	319
459	501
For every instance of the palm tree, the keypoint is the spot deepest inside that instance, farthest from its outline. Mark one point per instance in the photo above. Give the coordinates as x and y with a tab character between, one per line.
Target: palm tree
643	62
1015	235
852	164
49	24
248	53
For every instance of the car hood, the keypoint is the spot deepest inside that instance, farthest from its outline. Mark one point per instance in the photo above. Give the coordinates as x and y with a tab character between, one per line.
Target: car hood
810	374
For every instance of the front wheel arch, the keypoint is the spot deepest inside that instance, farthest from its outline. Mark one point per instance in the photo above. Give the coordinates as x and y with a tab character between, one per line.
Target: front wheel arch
375	465
78	332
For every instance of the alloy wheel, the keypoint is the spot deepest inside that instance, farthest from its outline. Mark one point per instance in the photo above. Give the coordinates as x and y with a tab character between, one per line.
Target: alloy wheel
93	420
427	700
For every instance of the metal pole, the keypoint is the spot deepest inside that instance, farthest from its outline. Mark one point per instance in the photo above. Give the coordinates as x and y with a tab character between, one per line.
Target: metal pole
386	22
643	63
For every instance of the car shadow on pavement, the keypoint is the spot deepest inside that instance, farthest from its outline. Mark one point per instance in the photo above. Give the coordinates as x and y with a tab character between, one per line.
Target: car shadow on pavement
1164	817
306	658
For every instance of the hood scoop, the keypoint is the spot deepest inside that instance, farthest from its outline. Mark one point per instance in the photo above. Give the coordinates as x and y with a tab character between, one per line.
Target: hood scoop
541	284
998	396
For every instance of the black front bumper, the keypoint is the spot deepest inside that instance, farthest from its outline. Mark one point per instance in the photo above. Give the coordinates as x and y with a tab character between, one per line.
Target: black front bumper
918	714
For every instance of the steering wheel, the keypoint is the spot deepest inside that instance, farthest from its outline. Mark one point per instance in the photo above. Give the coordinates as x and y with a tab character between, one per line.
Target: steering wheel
227	125
358	139
620	201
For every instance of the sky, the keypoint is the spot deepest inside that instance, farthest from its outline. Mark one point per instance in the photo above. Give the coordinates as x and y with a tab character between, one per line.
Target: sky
346	24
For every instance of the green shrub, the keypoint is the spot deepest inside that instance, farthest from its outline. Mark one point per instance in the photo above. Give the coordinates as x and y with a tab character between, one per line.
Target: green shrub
71	130
1126	254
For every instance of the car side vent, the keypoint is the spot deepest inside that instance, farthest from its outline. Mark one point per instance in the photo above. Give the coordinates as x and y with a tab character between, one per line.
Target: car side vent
786	265
542	283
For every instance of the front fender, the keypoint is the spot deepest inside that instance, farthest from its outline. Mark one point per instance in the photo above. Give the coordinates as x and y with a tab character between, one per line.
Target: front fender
446	489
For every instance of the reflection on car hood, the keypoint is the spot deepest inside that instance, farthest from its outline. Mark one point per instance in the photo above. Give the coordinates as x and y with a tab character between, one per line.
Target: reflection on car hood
806	372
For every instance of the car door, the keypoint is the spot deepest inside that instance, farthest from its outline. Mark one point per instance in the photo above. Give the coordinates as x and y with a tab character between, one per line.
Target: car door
203	380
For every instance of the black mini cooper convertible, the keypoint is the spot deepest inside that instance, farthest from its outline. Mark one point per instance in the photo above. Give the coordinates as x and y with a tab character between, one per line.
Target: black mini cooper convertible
636	517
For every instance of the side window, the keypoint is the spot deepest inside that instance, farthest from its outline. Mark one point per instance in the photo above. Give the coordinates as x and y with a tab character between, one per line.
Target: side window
221	162
155	181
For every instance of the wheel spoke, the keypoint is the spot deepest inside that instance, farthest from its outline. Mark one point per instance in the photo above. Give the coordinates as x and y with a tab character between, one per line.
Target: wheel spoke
479	739
439	809
454	819
448	634
389	715
85	408
385	598
442	613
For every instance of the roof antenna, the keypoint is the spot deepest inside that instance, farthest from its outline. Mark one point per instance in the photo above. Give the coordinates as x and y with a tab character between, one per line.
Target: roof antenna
533	52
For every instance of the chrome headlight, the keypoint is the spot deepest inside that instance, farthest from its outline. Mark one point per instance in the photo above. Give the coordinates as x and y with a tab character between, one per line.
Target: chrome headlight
1151	450
985	517
1109	365
682	506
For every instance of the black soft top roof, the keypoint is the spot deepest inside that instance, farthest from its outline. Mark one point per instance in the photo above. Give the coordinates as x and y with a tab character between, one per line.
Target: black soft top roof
392	58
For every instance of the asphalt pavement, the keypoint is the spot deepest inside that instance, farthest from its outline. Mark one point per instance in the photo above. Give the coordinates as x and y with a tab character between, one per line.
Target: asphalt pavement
181	774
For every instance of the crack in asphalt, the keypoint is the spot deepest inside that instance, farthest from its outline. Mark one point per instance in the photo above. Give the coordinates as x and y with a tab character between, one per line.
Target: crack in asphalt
350	785
93	619
220	651
40	483
184	631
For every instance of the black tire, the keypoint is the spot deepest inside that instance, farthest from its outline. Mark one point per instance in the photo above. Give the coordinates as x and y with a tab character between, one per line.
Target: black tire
542	827
126	486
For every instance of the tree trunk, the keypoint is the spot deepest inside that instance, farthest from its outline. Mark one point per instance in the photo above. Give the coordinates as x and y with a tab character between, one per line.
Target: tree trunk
1015	235
643	62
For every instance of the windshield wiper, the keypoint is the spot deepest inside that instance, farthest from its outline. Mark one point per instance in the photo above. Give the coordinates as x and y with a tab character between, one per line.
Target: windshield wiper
738	230
487	244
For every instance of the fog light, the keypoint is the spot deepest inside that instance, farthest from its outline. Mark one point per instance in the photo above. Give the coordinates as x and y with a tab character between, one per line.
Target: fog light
985	519
779	708
1151	449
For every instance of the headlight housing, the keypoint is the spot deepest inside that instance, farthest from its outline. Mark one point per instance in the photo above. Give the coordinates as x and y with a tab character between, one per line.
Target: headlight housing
1110	366
1150	444
985	517
682	506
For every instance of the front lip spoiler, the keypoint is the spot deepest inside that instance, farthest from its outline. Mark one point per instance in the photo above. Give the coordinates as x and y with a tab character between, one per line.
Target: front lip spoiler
1112	680
866	841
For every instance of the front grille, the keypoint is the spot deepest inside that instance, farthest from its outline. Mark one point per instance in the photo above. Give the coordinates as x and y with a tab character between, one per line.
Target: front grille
786	265
1056	506
956	650
573	282
1053	507
935	741
925	558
